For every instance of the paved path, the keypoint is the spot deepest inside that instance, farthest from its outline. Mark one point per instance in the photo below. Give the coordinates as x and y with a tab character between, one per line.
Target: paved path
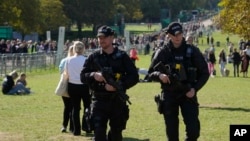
207	22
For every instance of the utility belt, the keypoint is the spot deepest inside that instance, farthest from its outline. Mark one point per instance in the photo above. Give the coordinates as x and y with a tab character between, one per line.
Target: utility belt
104	96
176	87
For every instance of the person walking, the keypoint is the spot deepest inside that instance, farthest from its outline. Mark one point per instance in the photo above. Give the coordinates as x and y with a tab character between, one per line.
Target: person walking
76	89
244	63
222	62
133	54
187	72
67	112
211	62
101	68
236	62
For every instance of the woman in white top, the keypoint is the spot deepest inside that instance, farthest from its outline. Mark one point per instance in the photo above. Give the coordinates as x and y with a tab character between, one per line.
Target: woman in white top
76	89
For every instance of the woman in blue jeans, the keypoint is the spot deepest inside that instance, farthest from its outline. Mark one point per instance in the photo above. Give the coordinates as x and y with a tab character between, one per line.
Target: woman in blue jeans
9	87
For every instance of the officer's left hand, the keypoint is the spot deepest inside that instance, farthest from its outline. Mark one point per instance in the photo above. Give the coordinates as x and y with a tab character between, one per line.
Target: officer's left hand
190	93
109	88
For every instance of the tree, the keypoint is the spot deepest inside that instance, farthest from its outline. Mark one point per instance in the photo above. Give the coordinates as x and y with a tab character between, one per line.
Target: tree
150	10
234	17
130	12
88	12
29	16
137	15
52	15
8	12
98	12
23	16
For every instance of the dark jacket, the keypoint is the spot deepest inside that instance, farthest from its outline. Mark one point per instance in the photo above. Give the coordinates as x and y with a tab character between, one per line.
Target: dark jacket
120	63
7	85
170	55
211	57
236	57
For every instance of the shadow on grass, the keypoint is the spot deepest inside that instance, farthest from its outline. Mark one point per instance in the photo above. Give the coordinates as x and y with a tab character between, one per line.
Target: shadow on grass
133	139
91	135
226	108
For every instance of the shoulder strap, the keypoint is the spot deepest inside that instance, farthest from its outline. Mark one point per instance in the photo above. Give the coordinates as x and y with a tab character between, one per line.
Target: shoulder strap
164	48
189	51
189	54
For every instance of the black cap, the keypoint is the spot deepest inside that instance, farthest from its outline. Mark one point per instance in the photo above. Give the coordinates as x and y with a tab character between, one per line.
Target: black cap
105	31
174	28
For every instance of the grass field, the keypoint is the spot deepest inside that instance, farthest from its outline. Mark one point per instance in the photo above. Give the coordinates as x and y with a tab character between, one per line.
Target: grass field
37	117
130	27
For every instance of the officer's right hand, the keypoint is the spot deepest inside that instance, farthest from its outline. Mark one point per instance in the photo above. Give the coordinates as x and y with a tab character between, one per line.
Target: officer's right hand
164	78
98	77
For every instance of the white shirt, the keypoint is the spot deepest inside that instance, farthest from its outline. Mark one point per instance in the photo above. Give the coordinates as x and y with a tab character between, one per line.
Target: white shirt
74	67
247	51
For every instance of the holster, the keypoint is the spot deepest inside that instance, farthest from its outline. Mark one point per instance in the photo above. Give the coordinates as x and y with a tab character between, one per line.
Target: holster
159	102
125	117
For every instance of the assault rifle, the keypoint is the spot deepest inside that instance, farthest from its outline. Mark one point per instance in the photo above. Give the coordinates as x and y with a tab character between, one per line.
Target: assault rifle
168	70
107	73
175	78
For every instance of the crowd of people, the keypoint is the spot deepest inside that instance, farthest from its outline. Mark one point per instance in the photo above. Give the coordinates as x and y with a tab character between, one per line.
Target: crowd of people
99	82
238	57
22	46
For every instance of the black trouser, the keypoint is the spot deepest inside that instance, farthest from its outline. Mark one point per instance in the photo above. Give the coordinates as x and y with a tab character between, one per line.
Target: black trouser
113	110
236	69
189	111
78	92
67	113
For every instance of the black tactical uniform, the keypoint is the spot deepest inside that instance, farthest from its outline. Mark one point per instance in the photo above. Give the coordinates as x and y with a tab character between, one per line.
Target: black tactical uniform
186	69
109	106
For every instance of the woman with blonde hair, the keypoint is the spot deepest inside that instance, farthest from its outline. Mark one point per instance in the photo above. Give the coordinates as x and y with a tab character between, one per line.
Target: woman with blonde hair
70	53
77	90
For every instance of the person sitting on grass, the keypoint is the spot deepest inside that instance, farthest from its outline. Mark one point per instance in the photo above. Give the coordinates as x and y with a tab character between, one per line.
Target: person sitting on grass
22	79
9	87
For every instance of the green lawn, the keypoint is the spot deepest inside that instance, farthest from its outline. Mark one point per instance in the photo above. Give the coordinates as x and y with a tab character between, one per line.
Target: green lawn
130	27
142	27
37	117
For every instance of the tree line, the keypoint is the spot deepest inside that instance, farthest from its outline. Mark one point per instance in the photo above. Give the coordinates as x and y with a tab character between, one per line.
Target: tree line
28	16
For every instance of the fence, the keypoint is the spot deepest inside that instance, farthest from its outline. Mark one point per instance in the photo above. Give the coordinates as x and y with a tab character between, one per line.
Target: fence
24	62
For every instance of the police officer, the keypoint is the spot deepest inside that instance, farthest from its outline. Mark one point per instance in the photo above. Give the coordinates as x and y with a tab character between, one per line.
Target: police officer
107	103
186	74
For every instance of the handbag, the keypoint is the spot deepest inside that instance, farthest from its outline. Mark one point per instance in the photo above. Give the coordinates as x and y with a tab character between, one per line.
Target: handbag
62	86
